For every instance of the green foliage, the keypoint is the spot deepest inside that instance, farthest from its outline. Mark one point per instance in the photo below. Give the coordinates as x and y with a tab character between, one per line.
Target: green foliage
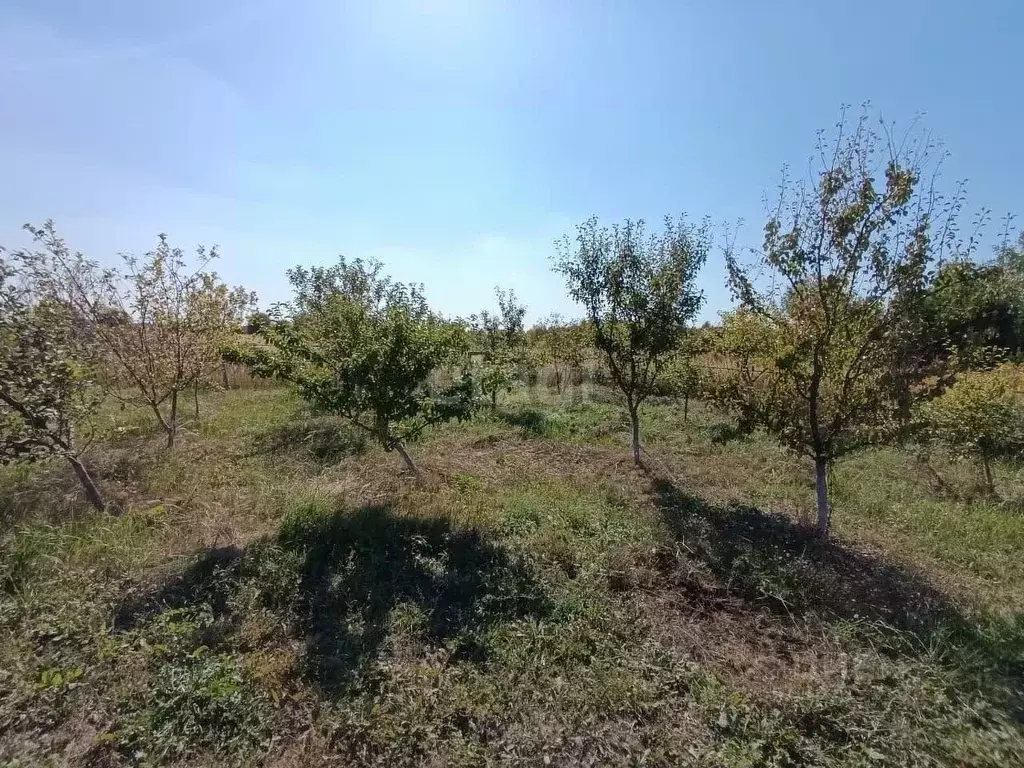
1010	262
972	314
970	308
46	393
683	377
755	383
357	344
561	345
43	391
980	417
639	292
824	306
499	341
202	703
498	374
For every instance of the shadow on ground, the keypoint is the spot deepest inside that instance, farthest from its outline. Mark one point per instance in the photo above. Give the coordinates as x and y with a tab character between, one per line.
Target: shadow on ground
324	440
722	432
770	562
335	578
530	421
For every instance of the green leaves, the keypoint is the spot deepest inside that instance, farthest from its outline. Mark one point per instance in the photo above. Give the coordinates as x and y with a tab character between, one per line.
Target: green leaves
971	310
639	292
828	308
358	344
499	340
825	307
44	391
980	416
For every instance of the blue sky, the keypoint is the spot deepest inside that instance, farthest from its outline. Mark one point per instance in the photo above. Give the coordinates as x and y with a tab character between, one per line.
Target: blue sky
456	139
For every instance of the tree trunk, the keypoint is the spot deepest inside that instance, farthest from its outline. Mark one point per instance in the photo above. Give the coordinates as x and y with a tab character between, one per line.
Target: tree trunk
195	394
821	486
409	464
224	370
92	493
156	412
558	382
494	400
990	485
634	422
172	422
686	407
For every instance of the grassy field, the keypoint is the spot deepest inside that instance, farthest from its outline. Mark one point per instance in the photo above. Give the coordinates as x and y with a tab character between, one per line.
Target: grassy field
276	593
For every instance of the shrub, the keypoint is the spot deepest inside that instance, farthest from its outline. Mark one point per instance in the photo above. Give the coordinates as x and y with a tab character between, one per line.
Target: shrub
980	417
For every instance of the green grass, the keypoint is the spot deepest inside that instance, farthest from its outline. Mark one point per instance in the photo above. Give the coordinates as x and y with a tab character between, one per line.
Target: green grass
276	593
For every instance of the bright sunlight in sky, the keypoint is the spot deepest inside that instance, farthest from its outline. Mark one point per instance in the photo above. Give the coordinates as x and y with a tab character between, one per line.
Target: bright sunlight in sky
456	139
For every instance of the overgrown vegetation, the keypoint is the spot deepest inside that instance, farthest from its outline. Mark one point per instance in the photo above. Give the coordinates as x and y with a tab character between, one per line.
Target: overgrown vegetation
272	593
540	598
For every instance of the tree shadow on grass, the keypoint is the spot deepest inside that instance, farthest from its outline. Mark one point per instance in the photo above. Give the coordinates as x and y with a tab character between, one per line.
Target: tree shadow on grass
530	421
722	432
772	563
324	440
335	579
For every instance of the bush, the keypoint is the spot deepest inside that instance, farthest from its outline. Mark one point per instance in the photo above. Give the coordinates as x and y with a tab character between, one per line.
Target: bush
979	417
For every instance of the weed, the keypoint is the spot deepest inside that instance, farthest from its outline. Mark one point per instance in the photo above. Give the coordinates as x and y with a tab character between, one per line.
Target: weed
202	703
272	595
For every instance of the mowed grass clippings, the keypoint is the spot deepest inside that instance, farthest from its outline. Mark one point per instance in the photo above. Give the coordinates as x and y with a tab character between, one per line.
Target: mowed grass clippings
276	592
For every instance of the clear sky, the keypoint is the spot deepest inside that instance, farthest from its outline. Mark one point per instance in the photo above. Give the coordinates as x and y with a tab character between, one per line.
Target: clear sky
456	139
